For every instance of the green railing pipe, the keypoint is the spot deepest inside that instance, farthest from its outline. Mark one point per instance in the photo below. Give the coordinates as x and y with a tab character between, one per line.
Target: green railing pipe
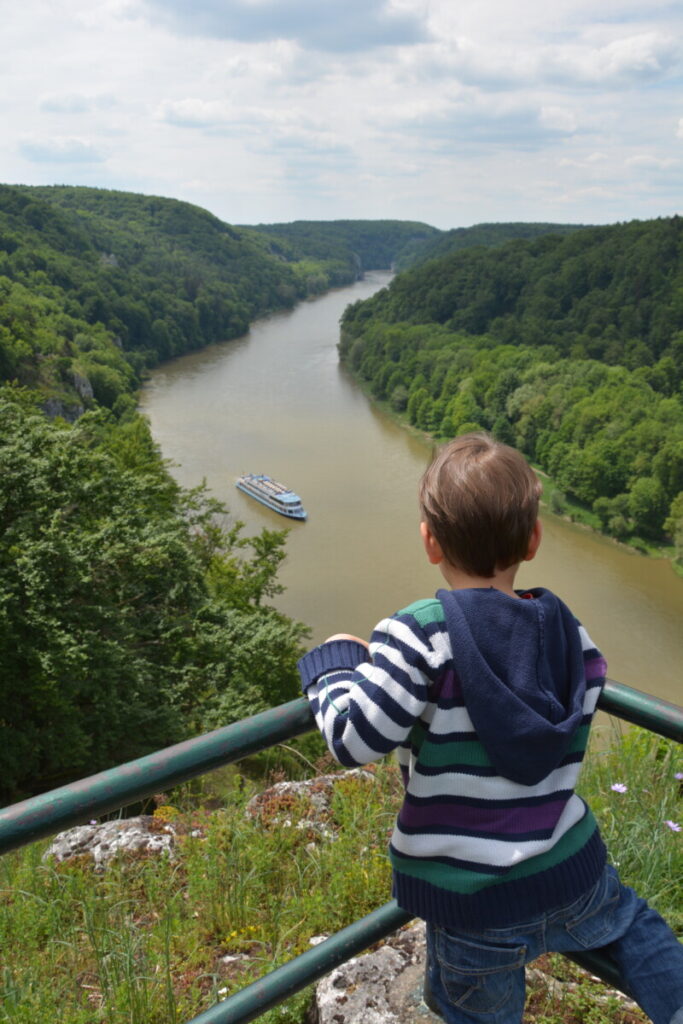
107	791
642	709
272	989
289	979
77	802
42	815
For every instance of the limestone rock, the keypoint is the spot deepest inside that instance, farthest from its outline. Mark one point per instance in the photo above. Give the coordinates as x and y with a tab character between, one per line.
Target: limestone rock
125	836
385	986
382	987
281	803
82	385
53	407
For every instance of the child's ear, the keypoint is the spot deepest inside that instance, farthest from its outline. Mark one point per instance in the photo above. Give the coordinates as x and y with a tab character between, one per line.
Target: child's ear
534	541
431	545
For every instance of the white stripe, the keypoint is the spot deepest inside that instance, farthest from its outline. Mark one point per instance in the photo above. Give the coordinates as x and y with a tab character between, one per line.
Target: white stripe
496	852
447	720
380	720
586	642
590	700
356	747
396	658
493	787
398	693
434	654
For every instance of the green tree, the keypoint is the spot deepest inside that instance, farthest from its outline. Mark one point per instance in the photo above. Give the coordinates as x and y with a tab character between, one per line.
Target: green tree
127	615
648	506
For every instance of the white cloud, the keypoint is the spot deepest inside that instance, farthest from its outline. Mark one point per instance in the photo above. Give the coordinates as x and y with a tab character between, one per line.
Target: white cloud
637	58
76	103
336	25
195	113
276	109
649	162
59	151
558	119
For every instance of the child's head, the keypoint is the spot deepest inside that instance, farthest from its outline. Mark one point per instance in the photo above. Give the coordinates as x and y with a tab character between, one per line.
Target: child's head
479	499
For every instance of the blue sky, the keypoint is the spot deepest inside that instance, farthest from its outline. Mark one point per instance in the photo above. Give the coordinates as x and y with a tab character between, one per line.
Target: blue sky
451	112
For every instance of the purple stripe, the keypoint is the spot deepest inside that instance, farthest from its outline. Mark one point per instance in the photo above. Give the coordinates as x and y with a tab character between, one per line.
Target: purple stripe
502	820
595	668
450	688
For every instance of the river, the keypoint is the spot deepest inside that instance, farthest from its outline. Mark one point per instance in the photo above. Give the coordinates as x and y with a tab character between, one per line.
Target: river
276	401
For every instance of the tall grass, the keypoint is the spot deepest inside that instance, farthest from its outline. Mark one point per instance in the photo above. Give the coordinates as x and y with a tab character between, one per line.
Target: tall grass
633	790
159	940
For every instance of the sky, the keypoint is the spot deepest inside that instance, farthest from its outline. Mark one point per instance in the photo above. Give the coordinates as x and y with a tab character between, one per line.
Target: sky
450	112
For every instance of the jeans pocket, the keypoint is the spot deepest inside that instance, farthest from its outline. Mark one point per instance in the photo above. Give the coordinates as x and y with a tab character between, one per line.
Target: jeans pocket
478	977
593	924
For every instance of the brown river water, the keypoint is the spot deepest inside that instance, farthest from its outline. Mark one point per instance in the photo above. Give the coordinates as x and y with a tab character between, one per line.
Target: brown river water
276	401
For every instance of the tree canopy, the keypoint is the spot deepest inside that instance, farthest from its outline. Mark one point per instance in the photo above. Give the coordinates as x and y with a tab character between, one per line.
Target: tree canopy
443	243
131	612
569	347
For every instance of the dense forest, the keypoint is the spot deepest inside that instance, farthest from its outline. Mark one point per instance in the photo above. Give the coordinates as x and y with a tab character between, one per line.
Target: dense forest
347	247
570	347
443	243
132	613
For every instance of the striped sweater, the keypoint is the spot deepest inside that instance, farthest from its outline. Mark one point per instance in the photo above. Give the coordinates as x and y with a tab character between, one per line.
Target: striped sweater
488	700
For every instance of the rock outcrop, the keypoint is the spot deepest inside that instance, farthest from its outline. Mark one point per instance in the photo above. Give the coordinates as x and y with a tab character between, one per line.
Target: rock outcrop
382	987
123	837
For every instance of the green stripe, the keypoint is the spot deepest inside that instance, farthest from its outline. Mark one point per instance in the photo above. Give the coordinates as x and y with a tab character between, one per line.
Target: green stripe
463	881
459	754
425	612
469	753
580	740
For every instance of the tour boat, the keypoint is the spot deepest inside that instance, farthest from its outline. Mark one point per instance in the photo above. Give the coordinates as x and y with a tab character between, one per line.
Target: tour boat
269	492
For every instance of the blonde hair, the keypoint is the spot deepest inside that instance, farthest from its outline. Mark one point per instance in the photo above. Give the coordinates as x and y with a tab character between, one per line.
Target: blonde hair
480	499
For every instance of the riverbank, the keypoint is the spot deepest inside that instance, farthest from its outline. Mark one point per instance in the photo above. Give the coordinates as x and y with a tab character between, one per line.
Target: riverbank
554	501
277	401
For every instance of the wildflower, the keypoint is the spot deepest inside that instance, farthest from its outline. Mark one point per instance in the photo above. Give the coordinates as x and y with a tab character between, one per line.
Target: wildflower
619	787
93	821
673	825
679	776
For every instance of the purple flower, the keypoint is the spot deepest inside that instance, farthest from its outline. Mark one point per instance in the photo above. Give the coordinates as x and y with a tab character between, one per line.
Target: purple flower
619	787
679	776
673	825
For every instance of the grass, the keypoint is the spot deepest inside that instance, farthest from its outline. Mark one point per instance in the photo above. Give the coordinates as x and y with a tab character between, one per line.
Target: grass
160	940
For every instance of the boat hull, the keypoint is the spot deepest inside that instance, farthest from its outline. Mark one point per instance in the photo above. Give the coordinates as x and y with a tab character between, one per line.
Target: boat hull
273	495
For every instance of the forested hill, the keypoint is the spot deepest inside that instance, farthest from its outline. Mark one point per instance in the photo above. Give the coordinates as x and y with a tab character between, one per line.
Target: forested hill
351	245
129	609
445	242
132	613
95	285
569	347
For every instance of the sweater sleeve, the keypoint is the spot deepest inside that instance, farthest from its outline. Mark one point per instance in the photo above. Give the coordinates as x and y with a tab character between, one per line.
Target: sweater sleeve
366	710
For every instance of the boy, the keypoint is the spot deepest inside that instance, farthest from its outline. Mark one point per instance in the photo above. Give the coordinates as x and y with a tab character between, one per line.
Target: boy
488	694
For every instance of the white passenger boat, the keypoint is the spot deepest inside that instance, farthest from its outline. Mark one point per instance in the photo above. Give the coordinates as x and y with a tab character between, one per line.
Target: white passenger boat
273	494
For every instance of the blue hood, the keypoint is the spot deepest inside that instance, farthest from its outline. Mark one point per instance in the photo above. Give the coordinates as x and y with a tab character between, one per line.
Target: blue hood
521	669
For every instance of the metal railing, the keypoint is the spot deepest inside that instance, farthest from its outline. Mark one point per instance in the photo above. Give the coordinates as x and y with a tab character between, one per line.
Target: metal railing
43	815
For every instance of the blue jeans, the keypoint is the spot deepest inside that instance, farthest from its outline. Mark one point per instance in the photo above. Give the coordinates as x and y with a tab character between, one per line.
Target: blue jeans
479	976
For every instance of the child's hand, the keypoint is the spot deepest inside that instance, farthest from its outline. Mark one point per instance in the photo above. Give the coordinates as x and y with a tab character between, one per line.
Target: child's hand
347	636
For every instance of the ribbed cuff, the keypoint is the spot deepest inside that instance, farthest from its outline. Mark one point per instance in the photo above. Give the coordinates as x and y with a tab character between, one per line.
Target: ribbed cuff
335	654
